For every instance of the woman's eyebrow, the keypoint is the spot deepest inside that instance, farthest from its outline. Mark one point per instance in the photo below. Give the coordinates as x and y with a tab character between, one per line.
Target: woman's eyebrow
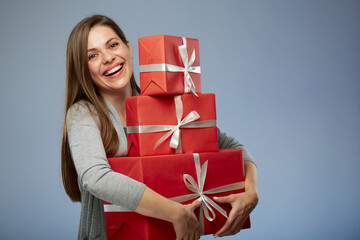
107	42
92	49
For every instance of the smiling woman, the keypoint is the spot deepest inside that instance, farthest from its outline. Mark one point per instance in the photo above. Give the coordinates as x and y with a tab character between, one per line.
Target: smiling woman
110	61
98	79
99	76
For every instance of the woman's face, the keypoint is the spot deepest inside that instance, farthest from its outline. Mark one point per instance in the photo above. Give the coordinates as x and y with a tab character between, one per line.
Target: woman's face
109	60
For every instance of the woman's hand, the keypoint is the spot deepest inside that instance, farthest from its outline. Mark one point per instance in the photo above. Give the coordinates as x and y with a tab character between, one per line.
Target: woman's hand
181	216
242	205
185	222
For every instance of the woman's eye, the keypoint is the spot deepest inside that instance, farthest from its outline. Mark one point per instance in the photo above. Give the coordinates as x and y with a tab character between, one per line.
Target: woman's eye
113	45
92	56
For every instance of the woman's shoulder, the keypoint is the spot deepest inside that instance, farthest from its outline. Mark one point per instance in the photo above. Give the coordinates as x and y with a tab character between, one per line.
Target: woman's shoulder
81	108
81	111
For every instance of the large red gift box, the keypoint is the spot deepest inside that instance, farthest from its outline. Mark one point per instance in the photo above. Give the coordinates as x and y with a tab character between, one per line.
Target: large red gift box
164	174
188	121
168	64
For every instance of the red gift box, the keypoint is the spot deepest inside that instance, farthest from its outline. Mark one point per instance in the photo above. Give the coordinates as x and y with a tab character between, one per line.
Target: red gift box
169	65
164	174
171	124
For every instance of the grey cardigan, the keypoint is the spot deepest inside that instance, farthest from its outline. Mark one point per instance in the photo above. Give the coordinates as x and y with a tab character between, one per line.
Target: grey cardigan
96	179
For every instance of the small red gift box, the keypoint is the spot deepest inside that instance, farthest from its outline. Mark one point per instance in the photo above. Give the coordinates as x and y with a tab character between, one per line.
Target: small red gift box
222	174
171	124
169	65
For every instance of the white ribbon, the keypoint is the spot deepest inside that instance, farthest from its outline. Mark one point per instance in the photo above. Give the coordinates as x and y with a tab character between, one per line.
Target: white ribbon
198	192
188	82
174	130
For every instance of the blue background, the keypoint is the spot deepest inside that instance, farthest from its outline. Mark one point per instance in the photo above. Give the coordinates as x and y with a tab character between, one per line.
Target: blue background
286	75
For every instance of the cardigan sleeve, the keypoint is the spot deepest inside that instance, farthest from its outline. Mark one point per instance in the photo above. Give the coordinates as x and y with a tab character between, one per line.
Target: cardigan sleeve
93	169
227	142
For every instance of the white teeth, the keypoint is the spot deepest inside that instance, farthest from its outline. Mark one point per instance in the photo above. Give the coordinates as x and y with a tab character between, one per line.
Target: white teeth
115	69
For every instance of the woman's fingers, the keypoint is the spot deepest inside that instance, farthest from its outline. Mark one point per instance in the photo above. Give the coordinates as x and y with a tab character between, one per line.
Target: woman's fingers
234	228
194	205
236	216
197	235
187	225
228	224
225	199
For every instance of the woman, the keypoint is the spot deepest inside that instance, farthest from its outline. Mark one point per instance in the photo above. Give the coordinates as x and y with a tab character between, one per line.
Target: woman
99	78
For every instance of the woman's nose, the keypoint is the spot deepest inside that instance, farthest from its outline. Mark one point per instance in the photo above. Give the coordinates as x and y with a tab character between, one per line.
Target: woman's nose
108	56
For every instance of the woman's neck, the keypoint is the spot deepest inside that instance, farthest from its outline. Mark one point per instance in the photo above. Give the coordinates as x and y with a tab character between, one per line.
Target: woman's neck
118	101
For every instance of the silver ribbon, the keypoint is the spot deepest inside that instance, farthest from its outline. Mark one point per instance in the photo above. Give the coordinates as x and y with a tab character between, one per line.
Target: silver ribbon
198	192
174	130
188	82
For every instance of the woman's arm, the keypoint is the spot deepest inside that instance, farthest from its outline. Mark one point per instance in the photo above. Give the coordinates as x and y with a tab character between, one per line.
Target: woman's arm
242	203
227	142
96	176
94	172
181	216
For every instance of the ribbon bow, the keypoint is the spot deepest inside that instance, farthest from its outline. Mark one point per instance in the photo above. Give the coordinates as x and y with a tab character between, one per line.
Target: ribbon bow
199	193
188	82
175	141
198	189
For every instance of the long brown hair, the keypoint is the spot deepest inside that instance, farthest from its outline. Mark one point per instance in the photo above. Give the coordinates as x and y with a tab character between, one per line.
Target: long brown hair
79	86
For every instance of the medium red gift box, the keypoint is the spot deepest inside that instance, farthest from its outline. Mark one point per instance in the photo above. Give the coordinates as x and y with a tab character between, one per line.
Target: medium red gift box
171	124
165	175
169	65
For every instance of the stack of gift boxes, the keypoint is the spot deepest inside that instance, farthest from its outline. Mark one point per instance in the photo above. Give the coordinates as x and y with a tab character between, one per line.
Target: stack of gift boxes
173	142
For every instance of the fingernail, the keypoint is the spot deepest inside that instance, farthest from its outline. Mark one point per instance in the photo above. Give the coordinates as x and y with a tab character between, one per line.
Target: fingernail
216	198
199	199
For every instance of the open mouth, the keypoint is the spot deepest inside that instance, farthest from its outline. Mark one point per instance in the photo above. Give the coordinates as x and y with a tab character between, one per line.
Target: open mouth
114	70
